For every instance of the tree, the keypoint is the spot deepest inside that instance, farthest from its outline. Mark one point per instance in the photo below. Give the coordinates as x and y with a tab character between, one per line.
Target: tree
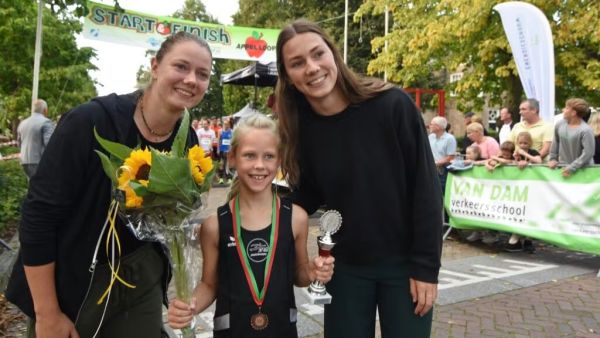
212	104
437	35
77	7
64	80
329	14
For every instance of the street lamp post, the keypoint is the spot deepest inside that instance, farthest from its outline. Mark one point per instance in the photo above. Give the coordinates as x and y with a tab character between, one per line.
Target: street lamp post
346	31
38	54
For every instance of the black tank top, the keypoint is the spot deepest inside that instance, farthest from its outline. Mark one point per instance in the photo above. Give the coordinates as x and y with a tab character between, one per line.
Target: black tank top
235	305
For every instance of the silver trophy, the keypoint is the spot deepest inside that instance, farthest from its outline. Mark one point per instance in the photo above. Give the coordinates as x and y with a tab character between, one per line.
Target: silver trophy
330	223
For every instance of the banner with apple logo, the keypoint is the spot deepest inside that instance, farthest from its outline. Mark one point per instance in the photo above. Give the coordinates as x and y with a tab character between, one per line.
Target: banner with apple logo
148	31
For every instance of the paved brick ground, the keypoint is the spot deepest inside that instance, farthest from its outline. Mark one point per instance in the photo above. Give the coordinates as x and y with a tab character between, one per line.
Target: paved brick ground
565	308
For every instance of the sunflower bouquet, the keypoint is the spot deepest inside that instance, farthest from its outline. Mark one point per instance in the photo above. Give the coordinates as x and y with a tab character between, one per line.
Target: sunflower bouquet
160	196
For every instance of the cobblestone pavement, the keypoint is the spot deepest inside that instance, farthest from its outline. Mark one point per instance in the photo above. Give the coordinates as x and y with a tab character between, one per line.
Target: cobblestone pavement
564	308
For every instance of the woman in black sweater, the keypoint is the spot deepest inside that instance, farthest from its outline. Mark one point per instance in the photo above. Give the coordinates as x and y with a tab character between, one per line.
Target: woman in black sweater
359	146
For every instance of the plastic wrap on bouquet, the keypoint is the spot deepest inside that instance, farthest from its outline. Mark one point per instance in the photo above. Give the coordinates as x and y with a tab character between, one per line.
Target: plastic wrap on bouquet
177	228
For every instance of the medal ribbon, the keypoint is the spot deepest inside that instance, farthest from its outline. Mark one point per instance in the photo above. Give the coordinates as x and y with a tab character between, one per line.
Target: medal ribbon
257	295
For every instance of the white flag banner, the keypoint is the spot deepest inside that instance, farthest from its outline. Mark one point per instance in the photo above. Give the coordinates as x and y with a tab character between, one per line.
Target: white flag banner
530	39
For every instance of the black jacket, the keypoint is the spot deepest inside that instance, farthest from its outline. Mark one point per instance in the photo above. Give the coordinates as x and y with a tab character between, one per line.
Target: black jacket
68	199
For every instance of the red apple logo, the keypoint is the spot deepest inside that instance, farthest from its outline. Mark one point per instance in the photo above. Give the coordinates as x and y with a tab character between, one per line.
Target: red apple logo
164	28
255	46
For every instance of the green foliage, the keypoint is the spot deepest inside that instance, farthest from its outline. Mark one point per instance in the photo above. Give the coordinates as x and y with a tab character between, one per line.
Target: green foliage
13	188
64	80
277	13
9	150
461	35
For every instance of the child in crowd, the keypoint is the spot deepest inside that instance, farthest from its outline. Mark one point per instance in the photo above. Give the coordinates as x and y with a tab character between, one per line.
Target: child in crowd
524	155
254	248
473	155
507	149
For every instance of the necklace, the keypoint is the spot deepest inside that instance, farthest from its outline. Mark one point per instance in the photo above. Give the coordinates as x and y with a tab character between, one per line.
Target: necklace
154	133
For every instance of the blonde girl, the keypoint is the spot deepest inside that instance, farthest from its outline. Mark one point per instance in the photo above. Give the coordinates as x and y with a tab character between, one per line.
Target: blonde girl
524	154
254	247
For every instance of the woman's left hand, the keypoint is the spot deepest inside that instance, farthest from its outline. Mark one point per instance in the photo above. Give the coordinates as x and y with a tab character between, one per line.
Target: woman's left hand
423	295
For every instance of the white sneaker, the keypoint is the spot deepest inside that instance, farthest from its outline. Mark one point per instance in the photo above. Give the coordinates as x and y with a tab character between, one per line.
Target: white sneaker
474	236
514	239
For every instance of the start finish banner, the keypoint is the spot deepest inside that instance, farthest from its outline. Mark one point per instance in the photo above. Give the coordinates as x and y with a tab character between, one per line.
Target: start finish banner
536	202
148	31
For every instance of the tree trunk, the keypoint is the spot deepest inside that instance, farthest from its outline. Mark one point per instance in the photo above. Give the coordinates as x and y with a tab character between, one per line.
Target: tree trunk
514	93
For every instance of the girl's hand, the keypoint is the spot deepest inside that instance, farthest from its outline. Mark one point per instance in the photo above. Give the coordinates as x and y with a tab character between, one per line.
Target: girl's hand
323	268
552	164
522	164
521	152
180	314
566	172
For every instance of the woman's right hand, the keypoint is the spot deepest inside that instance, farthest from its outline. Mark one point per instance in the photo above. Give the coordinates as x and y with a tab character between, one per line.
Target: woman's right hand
180	314
53	325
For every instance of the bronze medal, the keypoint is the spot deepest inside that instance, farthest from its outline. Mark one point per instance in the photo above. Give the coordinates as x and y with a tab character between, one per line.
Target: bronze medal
259	321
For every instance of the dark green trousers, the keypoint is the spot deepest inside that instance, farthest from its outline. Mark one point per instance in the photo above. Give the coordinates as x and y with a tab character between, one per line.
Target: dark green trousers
131	313
358	291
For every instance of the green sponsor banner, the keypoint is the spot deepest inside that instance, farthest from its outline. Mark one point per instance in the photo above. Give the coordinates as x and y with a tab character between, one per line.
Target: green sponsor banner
536	202
148	31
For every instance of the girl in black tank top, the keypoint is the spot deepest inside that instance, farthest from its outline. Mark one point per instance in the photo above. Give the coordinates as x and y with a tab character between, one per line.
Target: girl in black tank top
254	248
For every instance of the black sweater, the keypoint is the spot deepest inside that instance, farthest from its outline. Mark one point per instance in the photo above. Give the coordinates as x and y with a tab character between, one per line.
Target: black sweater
68	199
372	162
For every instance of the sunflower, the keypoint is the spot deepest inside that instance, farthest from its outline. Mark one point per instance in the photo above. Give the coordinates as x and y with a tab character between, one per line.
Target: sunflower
200	165
136	167
132	200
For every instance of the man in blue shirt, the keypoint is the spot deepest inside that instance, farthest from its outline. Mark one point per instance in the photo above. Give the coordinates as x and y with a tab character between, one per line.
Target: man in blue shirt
443	147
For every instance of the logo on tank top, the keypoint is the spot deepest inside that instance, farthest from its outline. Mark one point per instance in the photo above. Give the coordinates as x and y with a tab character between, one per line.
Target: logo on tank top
257	250
231	242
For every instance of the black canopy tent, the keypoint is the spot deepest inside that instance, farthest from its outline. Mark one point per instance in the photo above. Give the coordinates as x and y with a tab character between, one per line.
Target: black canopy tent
258	75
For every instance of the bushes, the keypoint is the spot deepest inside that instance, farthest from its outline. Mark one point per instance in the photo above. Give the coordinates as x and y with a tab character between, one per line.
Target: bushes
9	150
13	187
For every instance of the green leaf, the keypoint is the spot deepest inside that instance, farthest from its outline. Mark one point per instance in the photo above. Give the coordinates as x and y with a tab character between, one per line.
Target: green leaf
179	143
109	168
172	175
116	149
139	189
208	178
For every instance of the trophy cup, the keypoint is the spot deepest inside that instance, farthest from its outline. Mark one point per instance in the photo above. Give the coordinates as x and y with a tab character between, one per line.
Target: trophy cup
330	223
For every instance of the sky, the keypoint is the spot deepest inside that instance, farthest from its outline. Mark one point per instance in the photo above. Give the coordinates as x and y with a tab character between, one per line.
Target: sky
117	64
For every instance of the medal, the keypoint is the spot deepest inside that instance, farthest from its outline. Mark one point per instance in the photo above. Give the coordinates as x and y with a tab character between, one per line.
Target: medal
258	321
